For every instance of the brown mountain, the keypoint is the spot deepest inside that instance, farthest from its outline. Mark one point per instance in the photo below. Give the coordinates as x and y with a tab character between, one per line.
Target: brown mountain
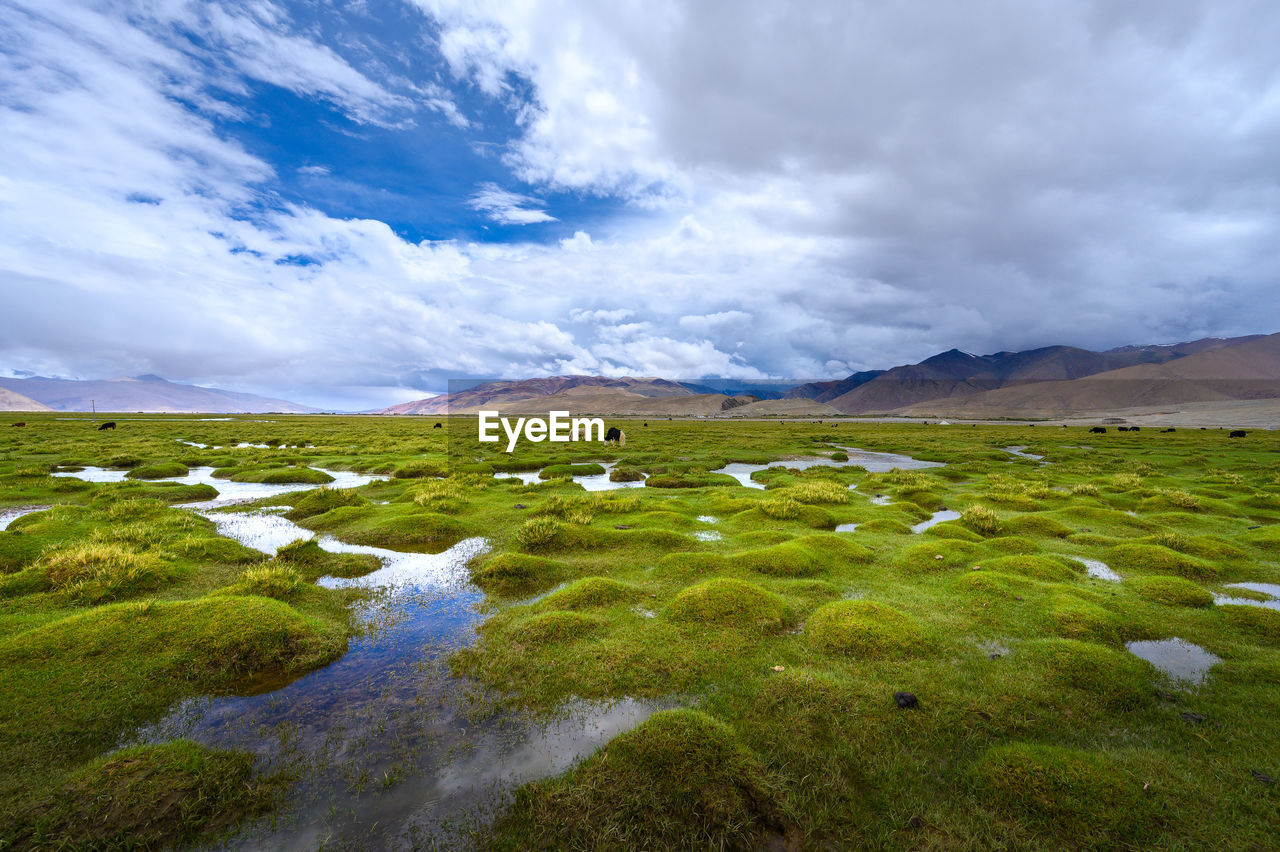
10	401
504	394
1241	371
144	393
959	374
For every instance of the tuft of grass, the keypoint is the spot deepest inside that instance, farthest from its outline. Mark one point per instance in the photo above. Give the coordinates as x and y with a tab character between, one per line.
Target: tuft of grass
96	572
1259	623
726	602
538	533
322	500
568	471
865	629
557	626
981	520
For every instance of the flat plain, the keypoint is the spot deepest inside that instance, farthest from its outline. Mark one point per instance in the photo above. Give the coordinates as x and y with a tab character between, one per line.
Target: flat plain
1091	639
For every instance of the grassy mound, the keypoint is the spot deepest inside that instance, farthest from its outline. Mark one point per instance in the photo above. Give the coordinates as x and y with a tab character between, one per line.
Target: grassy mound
626	474
923	558
1036	567
726	602
515	573
1066	792
864	629
568	471
280	476
160	470
686	566
980	520
396	527
1076	618
97	572
1035	526
1115	679
153	796
556	627
781	560
1173	591
322	500
681	780
1155	559
590	592
312	562
1258	622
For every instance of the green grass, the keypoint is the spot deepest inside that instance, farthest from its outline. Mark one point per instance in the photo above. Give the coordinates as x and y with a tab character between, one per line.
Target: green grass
786	640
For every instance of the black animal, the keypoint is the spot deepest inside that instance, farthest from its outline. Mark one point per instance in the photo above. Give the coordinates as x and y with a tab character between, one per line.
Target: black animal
20	423
613	435
1135	428
110	424
646	423
1170	429
1238	433
438	426
1122	428
1098	430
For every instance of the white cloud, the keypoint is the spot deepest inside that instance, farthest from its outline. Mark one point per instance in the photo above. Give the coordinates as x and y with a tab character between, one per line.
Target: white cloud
509	208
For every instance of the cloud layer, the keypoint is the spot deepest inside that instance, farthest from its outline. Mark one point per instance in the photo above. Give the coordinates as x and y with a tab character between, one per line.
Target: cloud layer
797	191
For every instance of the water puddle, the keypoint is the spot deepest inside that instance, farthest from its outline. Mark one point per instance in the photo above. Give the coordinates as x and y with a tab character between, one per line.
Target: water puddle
846	527
707	535
592	482
939	517
1098	570
881	500
1177	658
8	516
707	519
391	750
869	461
230	492
1271	589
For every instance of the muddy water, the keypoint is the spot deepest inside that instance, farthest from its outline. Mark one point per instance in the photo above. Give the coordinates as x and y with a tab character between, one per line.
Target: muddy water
1177	658
391	750
229	492
865	459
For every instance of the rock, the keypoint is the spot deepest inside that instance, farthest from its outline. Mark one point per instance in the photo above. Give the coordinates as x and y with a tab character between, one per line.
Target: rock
939	556
779	668
521	506
906	700
1194	718
622	526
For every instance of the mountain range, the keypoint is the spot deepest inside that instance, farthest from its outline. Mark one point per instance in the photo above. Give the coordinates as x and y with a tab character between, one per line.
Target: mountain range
1049	382
148	393
1046	382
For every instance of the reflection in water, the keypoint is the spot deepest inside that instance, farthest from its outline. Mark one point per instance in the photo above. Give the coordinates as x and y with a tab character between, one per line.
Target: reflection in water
846	527
1270	589
1021	452
390	748
1177	658
938	517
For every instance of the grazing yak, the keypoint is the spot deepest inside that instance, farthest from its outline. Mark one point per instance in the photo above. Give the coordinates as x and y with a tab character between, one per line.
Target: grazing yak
1098	430
20	423
110	424
438	426
1238	433
1122	428
615	436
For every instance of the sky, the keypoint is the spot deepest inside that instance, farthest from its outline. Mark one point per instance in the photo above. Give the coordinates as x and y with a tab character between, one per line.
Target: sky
347	204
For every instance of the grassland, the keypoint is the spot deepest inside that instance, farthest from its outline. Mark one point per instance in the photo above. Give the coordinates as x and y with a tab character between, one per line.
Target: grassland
784	640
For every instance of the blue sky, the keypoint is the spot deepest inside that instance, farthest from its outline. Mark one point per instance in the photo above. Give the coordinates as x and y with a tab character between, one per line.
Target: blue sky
349	203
